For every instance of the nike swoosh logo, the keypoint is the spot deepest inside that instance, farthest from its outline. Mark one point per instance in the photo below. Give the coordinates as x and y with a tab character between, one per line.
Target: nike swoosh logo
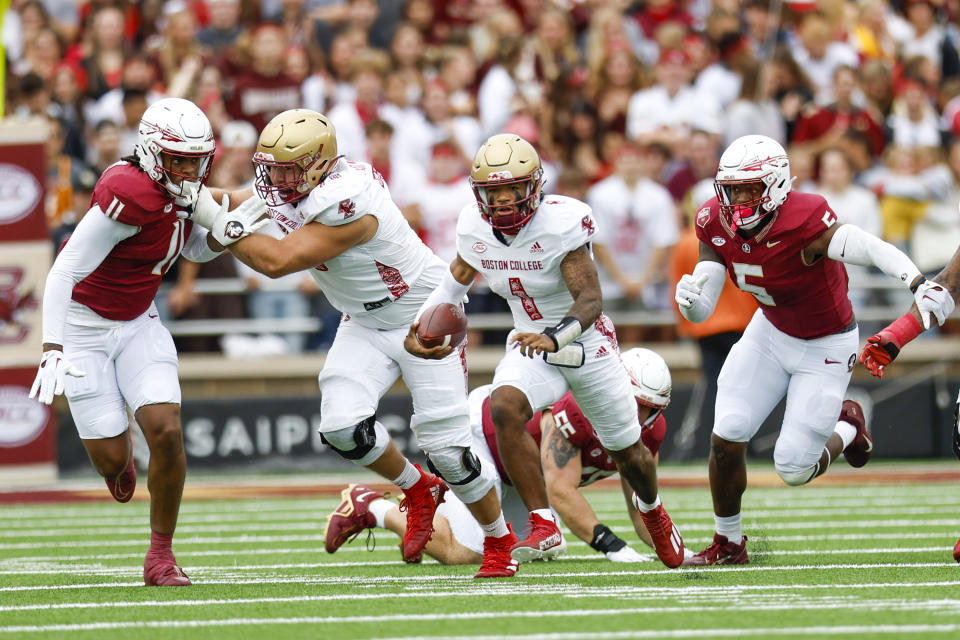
152	315
829	361
773	244
363	496
869	446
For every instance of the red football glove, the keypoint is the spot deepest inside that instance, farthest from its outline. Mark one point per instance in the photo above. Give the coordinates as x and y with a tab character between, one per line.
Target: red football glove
882	348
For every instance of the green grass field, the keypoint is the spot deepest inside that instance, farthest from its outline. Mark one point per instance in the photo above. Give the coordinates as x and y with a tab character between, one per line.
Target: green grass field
827	562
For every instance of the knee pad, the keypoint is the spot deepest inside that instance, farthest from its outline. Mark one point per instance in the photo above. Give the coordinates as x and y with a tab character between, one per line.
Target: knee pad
462	470
362	443
797	478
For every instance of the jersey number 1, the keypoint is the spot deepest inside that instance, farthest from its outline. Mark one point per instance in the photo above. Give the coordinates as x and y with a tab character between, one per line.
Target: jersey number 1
176	246
516	289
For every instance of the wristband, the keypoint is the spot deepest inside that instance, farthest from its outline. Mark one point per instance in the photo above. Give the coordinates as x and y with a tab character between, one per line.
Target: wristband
564	332
902	330
916	285
605	540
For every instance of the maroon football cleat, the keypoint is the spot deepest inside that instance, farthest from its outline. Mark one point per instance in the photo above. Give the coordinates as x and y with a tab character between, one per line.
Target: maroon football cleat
956	551
420	502
543	541
122	486
720	551
497	562
352	517
666	537
161	570
857	452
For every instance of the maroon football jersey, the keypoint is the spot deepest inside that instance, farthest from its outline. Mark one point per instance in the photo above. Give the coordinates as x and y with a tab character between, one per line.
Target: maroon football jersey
574	426
801	300
125	283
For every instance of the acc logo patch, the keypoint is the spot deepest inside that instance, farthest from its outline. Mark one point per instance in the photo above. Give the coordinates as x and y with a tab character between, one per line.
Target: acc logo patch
718	241
703	217
479	247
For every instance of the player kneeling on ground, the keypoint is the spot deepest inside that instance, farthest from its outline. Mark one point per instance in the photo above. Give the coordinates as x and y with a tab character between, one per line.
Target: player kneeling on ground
571	455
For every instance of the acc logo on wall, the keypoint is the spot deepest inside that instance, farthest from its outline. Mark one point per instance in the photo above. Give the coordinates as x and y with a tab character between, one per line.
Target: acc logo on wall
21	419
19	193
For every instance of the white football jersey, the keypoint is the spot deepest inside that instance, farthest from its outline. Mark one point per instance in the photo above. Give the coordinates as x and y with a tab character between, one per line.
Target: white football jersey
526	273
378	283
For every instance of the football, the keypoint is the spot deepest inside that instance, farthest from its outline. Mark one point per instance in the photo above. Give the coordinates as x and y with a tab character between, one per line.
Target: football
442	325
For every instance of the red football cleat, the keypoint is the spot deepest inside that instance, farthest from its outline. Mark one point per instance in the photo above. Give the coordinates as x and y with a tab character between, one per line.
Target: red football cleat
497	562
420	502
720	551
122	486
666	537
543	541
352	516
956	551
161	570
857	452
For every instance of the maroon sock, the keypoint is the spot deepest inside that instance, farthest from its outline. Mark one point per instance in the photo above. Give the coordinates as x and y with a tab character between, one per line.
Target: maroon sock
160	542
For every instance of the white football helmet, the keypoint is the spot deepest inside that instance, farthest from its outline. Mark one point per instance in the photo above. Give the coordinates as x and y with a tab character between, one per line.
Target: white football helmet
175	127
752	159
651	380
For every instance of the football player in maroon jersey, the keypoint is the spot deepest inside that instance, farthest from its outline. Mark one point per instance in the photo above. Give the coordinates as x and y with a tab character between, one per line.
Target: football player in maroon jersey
103	344
571	455
786	249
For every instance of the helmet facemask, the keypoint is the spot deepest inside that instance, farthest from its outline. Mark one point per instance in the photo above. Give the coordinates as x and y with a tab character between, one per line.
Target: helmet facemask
749	213
527	191
186	191
299	176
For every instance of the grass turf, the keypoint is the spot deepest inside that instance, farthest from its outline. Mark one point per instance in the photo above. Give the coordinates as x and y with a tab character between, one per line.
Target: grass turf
826	562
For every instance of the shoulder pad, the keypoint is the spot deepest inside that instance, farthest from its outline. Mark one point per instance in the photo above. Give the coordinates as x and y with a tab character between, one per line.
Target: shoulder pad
128	195
335	201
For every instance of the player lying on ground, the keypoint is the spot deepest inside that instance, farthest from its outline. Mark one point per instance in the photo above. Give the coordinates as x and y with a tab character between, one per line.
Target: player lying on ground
786	248
571	456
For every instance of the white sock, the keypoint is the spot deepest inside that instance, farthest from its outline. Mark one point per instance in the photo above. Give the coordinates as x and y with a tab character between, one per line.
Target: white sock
642	506
496	529
730	527
546	514
846	431
409	477
379	508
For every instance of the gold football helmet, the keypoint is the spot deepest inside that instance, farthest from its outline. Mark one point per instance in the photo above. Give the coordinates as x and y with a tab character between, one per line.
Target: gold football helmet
295	152
507	159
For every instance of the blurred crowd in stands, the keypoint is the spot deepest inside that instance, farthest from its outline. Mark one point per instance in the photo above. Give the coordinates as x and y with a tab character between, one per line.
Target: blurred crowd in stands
629	104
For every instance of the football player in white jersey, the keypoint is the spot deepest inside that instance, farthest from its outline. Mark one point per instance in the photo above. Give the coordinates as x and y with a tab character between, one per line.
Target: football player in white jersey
335	218
535	253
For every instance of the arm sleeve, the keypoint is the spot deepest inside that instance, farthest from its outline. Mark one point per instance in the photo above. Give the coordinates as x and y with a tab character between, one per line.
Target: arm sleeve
703	307
449	290
853	245
196	249
91	242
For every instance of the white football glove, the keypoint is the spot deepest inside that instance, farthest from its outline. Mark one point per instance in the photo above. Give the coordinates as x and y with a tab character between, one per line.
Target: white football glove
933	298
49	381
206	209
231	226
626	555
689	289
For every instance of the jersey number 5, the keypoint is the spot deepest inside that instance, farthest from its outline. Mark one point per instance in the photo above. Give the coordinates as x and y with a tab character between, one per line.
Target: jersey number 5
755	271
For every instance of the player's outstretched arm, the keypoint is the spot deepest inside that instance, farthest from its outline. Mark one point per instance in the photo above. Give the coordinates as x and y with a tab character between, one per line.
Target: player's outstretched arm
560	460
305	248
